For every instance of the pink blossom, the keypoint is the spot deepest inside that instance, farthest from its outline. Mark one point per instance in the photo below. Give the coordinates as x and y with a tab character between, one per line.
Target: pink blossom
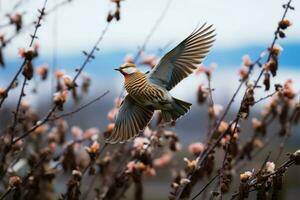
223	127
90	133
60	97
247	61
150	171
243	72
130	166
2	92
270	167
216	109
95	147
21	52
164	160
110	126
202	69
196	148
128	58
52	146
150	60
140	142
25	105
288	90
36	45
111	115
76	132
206	70
59	73
42	70
225	140
147	132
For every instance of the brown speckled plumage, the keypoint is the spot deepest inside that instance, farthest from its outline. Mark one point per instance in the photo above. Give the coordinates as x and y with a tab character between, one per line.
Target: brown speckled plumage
140	89
149	92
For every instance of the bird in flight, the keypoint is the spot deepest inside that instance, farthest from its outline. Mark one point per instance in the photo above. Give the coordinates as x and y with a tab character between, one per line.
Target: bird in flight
150	92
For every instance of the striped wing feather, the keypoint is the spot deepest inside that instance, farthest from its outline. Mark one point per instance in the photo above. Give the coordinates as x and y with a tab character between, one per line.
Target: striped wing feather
131	119
184	58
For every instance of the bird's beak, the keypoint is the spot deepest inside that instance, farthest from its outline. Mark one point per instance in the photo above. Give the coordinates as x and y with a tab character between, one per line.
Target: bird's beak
117	69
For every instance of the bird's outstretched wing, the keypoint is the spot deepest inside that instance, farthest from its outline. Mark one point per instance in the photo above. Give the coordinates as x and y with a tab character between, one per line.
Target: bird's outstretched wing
131	119
183	59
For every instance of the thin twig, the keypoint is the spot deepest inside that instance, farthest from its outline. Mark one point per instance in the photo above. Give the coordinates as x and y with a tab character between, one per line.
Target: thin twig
202	157
225	159
153	29
91	163
98	155
91	54
80	108
6	193
273	42
231	101
33	37
206	186
16	112
29	25
266	97
40	123
279	170
53	109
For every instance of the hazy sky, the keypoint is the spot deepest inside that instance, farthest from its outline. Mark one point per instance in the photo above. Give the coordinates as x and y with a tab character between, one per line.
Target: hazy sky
238	22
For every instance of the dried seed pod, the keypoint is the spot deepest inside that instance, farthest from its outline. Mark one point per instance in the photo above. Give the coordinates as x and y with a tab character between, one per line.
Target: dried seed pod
16	20
2	63
60	98
117	15
43	71
272	65
28	70
283	24
3	93
109	17
202	94
281	34
14	181
247	102
267	81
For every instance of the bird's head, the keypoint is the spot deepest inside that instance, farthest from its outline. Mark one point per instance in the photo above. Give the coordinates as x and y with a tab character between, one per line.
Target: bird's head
127	68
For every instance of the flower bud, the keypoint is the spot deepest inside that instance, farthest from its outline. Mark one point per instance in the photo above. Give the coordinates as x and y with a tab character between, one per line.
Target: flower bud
14	181
283	24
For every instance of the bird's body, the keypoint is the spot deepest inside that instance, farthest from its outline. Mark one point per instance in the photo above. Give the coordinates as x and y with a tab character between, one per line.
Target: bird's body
150	92
144	92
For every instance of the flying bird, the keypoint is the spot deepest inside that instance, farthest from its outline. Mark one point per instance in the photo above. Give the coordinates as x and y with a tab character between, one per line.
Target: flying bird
150	92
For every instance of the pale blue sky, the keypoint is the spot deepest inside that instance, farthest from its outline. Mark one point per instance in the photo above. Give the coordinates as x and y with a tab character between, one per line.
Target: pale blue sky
238	22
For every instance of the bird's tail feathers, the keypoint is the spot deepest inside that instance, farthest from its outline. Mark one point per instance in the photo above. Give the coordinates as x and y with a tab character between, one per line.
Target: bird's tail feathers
179	109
